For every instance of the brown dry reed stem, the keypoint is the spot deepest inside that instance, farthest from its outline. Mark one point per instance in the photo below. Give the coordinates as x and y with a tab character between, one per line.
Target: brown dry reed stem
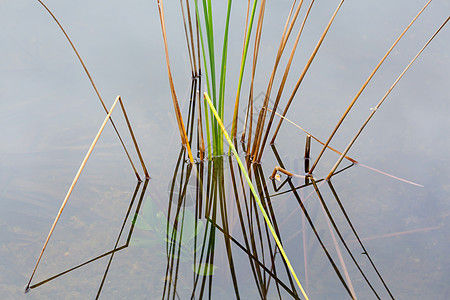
255	59
78	55
308	64
307	150
188	10
363	87
389	175
197	31
286	172
278	168
133	138
283	82
184	139
282	43
69	192
201	147
191	110
93	85
307	156
255	56
284	37
187	39
381	101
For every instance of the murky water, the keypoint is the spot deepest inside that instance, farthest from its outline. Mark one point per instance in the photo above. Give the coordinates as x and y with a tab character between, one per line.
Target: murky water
50	115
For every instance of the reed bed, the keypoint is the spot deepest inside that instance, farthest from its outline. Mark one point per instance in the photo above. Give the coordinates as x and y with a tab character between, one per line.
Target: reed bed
255	132
253	210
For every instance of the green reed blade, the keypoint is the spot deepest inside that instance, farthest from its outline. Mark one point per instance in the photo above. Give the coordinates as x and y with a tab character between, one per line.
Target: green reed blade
208	85
223	70
207	15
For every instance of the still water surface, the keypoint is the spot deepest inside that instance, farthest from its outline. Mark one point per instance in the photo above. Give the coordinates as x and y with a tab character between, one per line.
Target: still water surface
50	115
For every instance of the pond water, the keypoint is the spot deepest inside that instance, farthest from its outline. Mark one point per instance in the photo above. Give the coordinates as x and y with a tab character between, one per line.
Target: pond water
118	238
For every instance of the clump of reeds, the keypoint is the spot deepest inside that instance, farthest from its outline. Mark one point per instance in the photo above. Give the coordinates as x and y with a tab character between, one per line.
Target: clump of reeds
201	43
201	40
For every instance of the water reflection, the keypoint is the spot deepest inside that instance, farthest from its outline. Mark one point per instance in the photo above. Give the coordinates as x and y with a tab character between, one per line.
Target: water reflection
126	222
216	243
192	233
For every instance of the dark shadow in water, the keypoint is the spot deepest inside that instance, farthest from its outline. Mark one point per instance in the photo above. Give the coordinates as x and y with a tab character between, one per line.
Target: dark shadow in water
216	189
217	186
359	240
213	190
336	229
116	246
309	219
257	243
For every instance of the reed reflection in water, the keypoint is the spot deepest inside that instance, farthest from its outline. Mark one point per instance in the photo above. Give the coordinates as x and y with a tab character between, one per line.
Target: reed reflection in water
128	221
217	244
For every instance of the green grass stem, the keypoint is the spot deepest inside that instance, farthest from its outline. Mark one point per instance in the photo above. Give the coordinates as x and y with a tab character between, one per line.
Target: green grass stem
223	70
207	14
208	85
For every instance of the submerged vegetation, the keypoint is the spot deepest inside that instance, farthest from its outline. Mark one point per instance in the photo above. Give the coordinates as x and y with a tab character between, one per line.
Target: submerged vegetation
213	195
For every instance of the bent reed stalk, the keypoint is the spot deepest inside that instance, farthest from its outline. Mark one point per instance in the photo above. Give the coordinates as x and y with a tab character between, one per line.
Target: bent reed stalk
180	123
94	87
72	186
